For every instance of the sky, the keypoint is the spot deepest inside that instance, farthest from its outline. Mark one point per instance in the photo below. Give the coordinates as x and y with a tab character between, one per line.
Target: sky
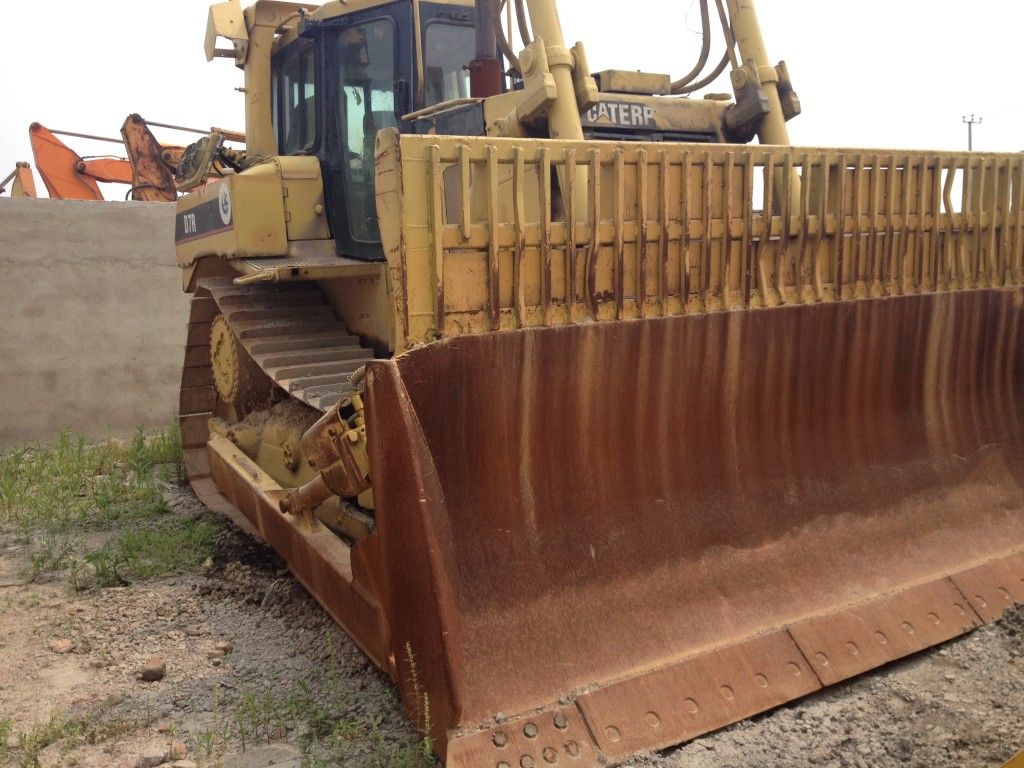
871	73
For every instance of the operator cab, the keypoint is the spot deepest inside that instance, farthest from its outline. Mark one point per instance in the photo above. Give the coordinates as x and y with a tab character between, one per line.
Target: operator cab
345	78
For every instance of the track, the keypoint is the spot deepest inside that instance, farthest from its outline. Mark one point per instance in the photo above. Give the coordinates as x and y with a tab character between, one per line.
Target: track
289	330
292	333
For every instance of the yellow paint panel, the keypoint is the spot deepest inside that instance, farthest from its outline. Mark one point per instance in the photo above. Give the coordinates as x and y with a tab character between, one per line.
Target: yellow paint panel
477	236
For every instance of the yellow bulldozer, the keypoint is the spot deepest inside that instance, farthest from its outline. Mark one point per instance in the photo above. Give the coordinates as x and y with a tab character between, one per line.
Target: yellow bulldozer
597	426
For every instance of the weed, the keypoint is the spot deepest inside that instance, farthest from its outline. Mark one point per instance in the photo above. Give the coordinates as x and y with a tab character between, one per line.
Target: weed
204	742
10	487
6	731
166	546
53	495
41	735
426	745
104	564
90	728
330	731
72	483
214	739
50	552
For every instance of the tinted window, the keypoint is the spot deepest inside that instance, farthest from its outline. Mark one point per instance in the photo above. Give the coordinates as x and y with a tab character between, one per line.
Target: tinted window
447	51
366	106
297	113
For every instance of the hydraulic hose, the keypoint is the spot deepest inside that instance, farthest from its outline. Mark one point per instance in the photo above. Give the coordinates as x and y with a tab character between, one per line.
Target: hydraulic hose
503	43
705	49
684	86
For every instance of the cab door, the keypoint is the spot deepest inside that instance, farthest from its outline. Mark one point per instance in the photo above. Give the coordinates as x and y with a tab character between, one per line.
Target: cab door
368	65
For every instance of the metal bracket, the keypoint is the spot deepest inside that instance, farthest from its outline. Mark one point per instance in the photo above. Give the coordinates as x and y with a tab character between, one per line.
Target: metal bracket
744	118
227	20
196	164
790	101
587	92
540	92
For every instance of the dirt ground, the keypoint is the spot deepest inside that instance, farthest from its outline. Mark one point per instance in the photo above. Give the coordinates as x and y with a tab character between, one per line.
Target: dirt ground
252	665
256	674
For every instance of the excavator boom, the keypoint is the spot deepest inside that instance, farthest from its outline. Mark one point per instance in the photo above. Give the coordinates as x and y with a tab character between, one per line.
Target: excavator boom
21	181
64	173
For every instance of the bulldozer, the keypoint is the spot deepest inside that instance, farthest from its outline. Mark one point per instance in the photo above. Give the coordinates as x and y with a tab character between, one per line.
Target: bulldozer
595	424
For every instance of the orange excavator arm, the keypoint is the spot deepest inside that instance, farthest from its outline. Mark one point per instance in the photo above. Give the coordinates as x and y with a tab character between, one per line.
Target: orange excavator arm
22	183
68	176
112	170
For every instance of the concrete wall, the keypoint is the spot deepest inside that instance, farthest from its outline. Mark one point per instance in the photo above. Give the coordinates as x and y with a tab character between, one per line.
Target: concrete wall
92	317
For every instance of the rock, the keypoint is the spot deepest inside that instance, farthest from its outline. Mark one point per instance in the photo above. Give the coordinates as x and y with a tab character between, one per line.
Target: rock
150	759
155	669
62	646
178	751
183	764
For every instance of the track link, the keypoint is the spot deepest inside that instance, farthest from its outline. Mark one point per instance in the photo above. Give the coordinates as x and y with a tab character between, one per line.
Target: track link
290	331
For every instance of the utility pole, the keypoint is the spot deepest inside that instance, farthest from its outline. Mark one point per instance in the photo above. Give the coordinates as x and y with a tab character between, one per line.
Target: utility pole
970	122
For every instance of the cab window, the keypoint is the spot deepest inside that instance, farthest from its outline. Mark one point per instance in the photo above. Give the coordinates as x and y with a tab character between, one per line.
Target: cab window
367	105
447	48
296	113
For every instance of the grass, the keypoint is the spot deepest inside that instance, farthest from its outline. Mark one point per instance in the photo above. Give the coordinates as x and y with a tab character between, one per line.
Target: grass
332	730
94	727
6	731
96	513
170	545
60	498
41	735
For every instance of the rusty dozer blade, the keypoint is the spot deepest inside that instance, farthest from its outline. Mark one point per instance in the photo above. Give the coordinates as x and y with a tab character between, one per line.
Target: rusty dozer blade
623	520
678	523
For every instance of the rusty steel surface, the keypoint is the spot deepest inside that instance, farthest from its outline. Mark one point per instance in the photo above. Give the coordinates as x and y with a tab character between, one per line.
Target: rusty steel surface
605	538
657	519
152	179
